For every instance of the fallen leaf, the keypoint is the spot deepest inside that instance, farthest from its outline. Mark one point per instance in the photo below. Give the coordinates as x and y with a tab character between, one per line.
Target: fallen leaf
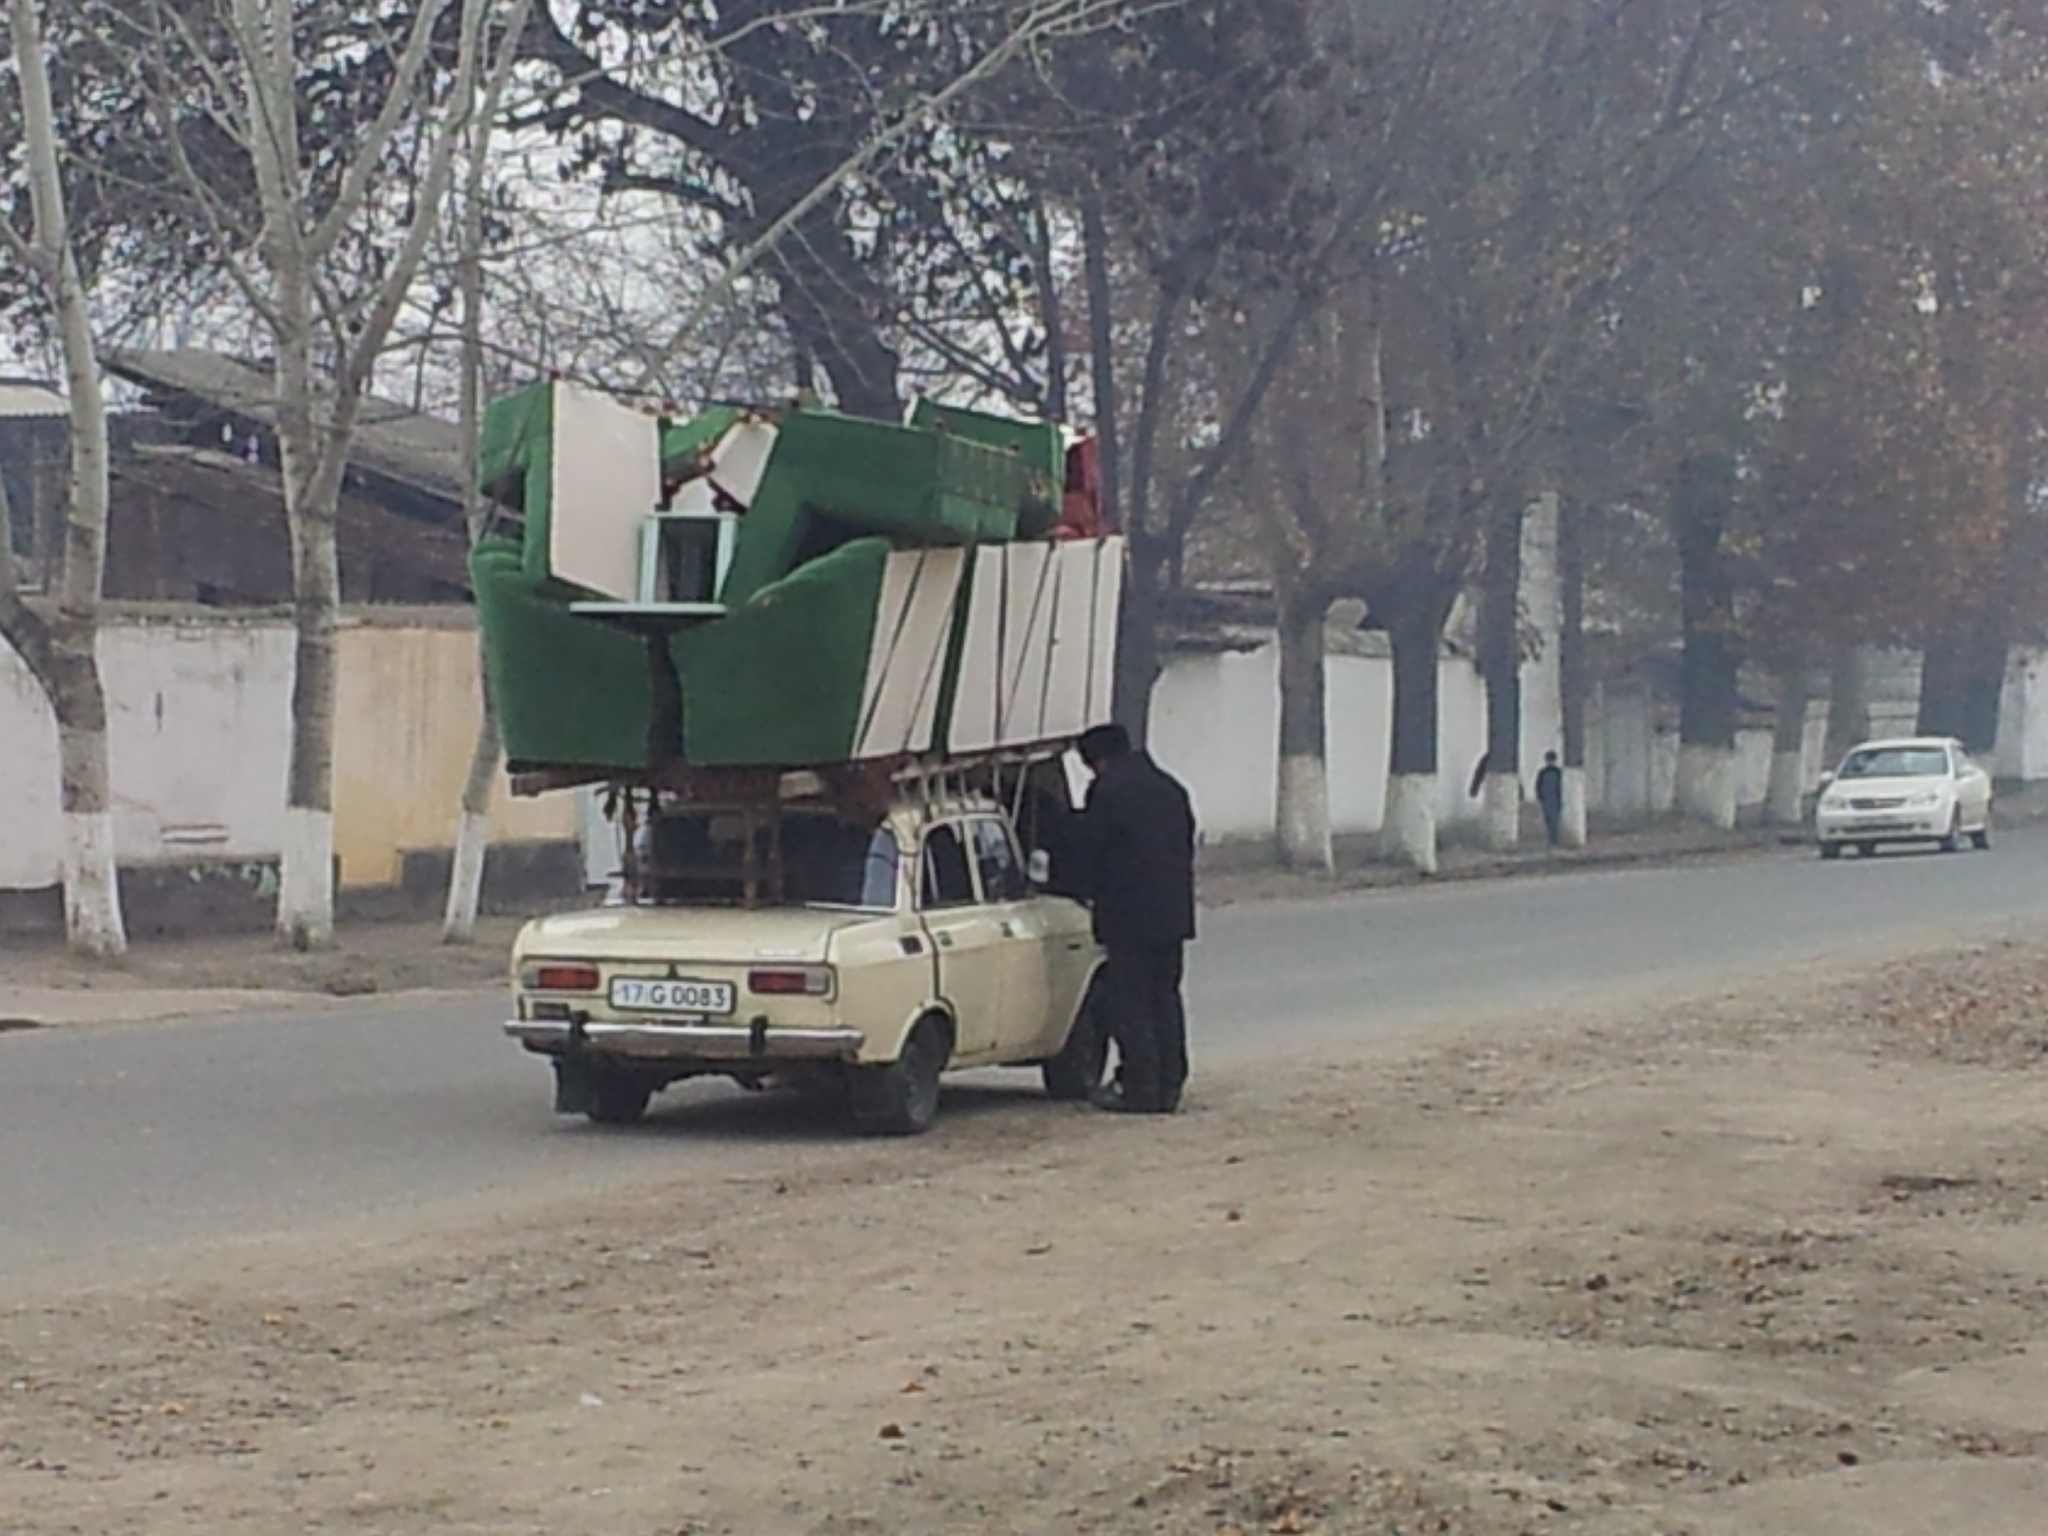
910	1387
892	1431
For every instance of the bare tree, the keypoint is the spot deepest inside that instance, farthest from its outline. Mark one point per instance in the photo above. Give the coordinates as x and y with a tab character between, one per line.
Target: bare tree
473	827
326	266
61	647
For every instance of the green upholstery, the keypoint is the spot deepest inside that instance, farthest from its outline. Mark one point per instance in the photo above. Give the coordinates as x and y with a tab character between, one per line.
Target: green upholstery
1037	444
516	460
569	690
915	487
781	680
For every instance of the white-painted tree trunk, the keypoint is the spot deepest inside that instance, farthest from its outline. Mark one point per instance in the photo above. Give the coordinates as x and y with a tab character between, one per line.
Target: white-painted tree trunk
62	649
1410	836
1572	822
1786	801
1305	840
1502	808
466	878
305	894
1707	785
92	900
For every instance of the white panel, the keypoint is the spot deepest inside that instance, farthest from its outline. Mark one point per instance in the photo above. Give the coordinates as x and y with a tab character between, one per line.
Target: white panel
1031	598
1109	595
906	666
607	479
740	458
1069	671
975	700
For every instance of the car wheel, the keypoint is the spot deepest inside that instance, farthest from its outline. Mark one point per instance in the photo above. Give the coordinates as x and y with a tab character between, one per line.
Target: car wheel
618	1098
1866	850
1953	842
1077	1071
901	1098
1831	850
1981	838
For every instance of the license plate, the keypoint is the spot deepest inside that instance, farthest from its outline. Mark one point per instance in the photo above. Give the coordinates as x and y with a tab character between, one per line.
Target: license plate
648	994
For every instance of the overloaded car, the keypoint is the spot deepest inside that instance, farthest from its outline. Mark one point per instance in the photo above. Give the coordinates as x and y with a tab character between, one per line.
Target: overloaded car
1914	789
852	957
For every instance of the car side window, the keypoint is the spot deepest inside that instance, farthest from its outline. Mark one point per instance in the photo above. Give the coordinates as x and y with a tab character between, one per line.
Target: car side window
1003	878
945	879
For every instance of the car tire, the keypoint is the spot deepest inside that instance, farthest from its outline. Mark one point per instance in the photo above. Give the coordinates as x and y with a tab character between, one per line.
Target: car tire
1953	843
1981	838
1077	1071
901	1098
1866	850
618	1098
1831	850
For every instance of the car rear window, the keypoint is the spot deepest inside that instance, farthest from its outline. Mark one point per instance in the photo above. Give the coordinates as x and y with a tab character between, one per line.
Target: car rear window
701	857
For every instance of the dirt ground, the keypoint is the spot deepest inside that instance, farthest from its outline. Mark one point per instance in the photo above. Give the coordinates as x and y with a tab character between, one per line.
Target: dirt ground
1770	1262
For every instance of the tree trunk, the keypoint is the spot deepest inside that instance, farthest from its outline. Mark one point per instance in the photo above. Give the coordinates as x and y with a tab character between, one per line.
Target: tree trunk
1416	636
63	652
1102	354
825	303
1571	669
473	825
1785	804
1848	702
1500	667
473	828
1304	805
305	898
1962	687
1702	498
1138	662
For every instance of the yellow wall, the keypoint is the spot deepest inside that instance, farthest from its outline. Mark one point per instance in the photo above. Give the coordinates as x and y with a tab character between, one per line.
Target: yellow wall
405	722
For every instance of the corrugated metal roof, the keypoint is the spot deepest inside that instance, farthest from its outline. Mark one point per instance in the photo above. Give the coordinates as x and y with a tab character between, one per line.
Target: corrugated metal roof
19	398
418	450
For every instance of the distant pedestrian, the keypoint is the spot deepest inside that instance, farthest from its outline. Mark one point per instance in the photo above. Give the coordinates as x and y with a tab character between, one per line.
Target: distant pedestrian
1137	864
1479	772
1550	797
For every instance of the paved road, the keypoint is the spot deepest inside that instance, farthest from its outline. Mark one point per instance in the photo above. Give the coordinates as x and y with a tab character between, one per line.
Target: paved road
125	1147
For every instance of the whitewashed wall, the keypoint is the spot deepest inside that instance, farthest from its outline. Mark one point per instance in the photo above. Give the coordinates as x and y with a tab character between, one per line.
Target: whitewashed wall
2023	719
195	743
1216	724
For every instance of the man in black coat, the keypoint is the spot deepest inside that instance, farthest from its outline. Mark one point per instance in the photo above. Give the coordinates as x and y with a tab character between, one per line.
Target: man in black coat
1137	863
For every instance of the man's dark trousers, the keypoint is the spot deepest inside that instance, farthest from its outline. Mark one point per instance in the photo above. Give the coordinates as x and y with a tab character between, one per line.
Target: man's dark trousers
1142	984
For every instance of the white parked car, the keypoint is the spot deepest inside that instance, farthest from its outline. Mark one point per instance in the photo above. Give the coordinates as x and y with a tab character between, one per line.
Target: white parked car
1916	789
856	960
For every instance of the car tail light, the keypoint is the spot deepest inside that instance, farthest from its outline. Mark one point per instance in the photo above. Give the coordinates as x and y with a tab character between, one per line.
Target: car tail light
794	981
559	978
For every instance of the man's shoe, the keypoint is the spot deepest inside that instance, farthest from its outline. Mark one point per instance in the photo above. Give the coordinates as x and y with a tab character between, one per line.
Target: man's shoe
1116	1101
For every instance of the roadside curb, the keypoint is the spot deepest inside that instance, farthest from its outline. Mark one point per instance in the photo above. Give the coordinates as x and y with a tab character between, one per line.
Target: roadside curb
36	1010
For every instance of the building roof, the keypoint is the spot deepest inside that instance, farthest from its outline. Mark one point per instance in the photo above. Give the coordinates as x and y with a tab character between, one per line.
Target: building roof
27	399
401	444
226	487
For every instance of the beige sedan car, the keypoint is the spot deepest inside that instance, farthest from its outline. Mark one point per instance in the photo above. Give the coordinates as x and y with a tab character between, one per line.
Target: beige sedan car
806	951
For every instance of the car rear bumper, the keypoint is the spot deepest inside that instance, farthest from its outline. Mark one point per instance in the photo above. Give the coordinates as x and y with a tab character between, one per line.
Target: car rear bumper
647	1041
